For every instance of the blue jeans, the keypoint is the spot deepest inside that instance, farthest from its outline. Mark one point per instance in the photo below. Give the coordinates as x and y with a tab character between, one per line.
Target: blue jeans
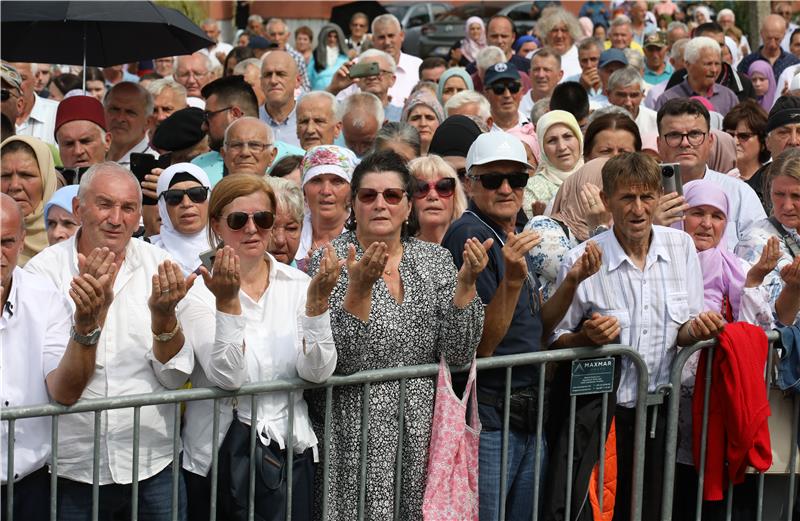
519	487
155	499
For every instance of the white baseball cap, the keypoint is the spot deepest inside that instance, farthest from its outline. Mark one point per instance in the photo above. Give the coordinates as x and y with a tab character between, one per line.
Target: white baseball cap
496	146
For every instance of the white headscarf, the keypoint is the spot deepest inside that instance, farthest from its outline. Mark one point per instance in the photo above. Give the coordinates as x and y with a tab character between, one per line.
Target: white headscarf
185	249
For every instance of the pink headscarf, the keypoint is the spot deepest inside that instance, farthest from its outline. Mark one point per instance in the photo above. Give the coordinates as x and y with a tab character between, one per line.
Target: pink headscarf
765	69
469	47
586	26
722	272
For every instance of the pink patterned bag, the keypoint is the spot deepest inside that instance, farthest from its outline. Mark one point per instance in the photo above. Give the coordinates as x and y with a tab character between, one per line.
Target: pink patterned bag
451	492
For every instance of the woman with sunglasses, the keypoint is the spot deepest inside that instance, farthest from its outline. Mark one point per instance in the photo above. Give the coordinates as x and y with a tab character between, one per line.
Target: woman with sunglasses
561	146
398	302
183	208
439	197
747	123
254	319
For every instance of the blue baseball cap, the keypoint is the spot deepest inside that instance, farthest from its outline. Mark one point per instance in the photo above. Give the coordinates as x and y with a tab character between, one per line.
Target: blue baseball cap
611	56
500	71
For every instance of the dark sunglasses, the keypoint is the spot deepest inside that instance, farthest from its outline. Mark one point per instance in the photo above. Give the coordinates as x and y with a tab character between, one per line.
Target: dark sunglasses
392	196
493	181
174	197
238	220
500	88
5	94
444	187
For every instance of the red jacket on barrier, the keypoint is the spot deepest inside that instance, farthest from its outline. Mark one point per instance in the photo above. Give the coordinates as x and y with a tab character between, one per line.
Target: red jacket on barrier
737	411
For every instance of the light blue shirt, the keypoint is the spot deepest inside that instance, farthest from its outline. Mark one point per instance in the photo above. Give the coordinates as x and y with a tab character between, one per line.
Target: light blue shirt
285	131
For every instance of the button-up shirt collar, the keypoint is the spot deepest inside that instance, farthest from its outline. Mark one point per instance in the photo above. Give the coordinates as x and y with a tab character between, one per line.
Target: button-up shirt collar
285	130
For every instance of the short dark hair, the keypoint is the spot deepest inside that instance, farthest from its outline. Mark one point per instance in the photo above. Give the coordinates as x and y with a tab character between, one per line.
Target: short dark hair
631	169
755	117
384	161
432	62
233	90
94	74
304	29
151	76
67	82
239	54
708	28
572	97
285	166
794	33
681	106
611	121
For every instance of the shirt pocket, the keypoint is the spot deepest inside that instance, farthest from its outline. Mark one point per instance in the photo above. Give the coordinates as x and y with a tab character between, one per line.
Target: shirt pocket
678	307
623	317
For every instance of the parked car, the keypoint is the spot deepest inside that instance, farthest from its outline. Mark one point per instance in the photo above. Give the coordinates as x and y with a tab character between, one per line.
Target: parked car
416	14
520	14
438	37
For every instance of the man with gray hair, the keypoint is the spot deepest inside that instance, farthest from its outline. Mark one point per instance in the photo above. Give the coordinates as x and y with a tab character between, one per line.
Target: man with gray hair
470	103
128	109
589	50
139	348
773	31
625	90
388	36
278	33
193	71
35	115
362	115
378	84
676	59
169	96
220	49
676	31
546	73
703	64
249	147
317	119
620	34
560	30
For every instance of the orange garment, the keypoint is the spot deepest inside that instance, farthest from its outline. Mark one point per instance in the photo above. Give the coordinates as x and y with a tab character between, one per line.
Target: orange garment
609	480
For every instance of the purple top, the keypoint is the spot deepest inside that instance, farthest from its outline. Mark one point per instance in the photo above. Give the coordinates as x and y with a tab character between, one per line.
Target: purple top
722	97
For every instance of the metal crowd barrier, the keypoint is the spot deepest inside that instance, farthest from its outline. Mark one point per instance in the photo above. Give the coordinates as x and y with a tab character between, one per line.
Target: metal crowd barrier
365	379
672	437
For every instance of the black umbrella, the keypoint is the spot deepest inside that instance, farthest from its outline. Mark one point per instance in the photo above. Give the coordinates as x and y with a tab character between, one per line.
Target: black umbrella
340	15
95	33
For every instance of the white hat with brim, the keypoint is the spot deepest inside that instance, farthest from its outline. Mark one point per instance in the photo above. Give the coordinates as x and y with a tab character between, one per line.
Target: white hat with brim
496	146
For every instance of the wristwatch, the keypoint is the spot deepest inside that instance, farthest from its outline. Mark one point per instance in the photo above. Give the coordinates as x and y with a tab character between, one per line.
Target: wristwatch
166	337
87	340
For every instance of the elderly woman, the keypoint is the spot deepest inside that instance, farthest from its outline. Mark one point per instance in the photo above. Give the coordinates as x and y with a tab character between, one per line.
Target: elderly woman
401	138
327	170
474	40
61	223
329	55
783	189
763	79
398	302
561	148
288	220
747	124
254	319
451	82
609	135
439	198
423	112
29	177
183	208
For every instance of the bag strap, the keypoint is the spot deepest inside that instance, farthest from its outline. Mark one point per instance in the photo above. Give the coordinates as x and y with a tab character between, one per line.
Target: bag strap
444	379
471	394
790	242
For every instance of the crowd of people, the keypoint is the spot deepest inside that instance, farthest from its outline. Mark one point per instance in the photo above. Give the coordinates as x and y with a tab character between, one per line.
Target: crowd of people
269	210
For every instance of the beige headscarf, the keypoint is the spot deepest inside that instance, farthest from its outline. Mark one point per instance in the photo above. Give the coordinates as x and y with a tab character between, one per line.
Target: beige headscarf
35	227
546	168
566	207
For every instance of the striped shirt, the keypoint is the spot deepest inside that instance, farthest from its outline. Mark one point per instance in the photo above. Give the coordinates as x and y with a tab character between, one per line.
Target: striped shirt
650	305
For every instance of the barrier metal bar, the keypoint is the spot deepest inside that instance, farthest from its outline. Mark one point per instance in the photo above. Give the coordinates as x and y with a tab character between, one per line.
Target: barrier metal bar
701	473
326	450
793	457
504	453
214	462
537	462
54	469
362	481
176	461
10	471
601	467
364	377
251	494
290	457
570	457
398	468
137	415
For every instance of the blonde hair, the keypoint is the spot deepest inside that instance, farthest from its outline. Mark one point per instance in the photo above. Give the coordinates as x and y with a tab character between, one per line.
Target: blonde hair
231	188
432	167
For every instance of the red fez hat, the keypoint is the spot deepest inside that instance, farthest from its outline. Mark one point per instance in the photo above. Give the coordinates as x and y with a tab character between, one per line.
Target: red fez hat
77	108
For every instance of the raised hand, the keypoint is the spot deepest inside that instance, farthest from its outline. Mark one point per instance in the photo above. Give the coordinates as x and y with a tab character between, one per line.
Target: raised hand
770	256
601	329
791	273
341	78
517	246
670	209
587	264
475	260
98	263
224	279
150	183
592	206
319	290
168	288
366	271
90	297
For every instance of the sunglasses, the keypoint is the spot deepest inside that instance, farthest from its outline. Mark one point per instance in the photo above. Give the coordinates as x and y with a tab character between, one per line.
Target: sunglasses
238	220
444	187
493	181
500	88
174	197
392	196
5	94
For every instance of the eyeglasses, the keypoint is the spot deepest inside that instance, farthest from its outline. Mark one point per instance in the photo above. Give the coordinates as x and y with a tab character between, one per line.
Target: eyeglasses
255	146
493	181
238	220
741	136
444	187
500	88
392	196
695	138
207	114
174	197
